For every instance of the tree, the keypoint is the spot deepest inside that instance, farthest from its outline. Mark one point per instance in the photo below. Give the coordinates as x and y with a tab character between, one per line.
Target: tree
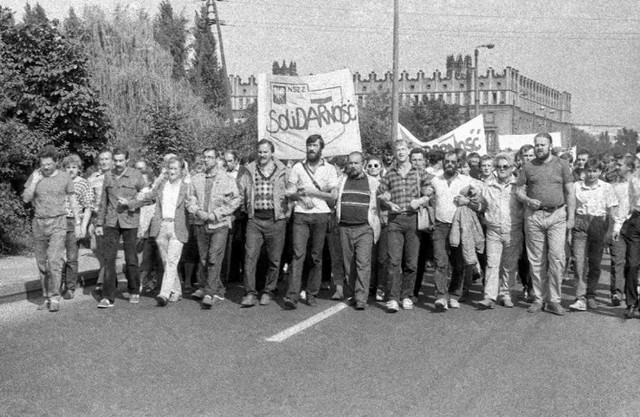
170	31
205	75
430	119
166	134
626	141
35	15
48	86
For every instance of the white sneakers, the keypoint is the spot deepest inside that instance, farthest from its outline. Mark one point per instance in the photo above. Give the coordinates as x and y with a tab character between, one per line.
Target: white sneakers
579	305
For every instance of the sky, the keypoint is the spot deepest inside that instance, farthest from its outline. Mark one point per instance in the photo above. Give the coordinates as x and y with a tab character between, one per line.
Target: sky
590	49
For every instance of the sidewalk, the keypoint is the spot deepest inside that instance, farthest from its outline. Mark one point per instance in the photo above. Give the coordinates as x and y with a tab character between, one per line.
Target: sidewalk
19	274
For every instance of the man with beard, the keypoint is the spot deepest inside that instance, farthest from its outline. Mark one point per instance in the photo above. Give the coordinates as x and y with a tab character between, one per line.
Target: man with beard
359	219
450	190
545	187
403	189
47	189
263	187
312	185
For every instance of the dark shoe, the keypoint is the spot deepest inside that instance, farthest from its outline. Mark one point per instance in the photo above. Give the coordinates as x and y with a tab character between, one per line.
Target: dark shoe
249	300
464	298
54	305
311	300
198	294
265	299
290	303
44	305
592	304
68	295
486	304
162	301
631	312
555	308
535	307
616	300
361	305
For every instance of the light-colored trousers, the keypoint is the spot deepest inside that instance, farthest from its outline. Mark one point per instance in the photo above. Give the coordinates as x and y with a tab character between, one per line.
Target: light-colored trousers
170	250
546	234
503	251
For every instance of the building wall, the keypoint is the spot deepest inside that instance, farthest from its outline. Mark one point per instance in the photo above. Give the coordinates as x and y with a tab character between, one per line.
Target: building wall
511	102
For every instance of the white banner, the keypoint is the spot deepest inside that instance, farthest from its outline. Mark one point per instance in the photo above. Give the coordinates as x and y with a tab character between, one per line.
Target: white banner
469	136
515	142
290	109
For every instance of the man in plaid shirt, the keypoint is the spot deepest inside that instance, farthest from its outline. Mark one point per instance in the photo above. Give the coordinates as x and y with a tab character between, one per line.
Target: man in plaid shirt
403	190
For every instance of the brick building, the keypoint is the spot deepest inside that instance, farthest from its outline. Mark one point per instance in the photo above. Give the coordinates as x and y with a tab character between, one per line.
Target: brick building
510	102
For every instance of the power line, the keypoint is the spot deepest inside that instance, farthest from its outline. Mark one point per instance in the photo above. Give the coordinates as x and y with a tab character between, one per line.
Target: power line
501	33
455	15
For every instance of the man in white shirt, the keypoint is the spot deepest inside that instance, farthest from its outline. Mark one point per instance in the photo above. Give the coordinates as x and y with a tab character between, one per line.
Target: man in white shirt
312	184
450	190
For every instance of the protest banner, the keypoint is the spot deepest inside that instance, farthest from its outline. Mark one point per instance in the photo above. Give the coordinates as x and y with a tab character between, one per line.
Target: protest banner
514	142
469	136
290	109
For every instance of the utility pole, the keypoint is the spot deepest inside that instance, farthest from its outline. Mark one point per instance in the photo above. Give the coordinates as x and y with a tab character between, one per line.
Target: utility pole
394	85
227	84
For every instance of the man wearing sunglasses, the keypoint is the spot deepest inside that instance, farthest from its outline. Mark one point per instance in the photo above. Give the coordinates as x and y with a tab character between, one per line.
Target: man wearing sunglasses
504	217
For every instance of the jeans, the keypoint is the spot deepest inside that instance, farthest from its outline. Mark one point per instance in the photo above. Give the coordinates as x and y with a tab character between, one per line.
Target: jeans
151	263
307	226
545	236
49	246
357	242
449	257
263	232
211	246
425	254
129	241
380	262
618	252
503	252
588	245
170	249
403	246
70	270
631	232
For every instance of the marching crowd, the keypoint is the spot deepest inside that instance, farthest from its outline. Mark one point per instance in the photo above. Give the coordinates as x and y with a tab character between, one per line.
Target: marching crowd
379	222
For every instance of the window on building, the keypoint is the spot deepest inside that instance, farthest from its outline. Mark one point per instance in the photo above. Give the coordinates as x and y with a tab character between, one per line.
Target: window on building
503	97
444	86
241	103
380	87
494	97
416	99
461	85
428	86
244	91
499	85
481	85
490	117
485	97
360	100
364	88
412	87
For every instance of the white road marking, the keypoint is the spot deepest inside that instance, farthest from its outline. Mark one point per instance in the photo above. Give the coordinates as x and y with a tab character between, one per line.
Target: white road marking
287	333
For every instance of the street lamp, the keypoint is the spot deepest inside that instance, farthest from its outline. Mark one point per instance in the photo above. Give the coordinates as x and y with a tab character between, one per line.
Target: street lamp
475	74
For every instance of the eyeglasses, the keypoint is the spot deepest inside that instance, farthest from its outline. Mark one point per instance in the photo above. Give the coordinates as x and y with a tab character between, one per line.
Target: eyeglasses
369	166
503	166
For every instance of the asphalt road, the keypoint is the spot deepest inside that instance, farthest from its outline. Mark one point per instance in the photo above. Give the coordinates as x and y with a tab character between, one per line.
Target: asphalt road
182	360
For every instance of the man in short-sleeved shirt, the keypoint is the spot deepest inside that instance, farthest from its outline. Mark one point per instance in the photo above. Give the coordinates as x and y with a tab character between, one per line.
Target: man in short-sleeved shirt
545	187
312	184
47	189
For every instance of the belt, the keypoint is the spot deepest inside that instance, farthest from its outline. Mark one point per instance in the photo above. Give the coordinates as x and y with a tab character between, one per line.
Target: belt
168	219
550	209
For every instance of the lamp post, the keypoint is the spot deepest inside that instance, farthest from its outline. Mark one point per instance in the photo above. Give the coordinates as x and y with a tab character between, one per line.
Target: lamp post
475	75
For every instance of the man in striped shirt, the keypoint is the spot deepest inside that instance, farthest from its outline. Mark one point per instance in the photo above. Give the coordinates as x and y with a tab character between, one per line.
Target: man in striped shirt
358	216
